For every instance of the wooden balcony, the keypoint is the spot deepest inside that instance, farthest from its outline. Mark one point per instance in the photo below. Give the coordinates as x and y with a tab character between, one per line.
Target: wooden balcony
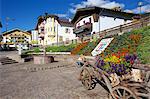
86	29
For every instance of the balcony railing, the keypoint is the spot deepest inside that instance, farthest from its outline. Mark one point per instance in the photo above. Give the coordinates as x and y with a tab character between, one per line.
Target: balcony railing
51	35
87	27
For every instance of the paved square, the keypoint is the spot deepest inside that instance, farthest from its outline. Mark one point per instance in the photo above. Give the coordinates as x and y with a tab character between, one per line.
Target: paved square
29	81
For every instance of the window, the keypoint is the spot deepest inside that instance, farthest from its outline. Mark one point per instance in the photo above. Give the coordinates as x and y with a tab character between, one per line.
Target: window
67	39
83	22
42	30
54	28
67	30
51	29
90	20
60	38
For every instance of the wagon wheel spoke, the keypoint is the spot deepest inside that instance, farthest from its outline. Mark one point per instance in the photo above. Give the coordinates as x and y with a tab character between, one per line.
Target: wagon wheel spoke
86	78
130	96
84	74
119	93
116	96
124	94
87	84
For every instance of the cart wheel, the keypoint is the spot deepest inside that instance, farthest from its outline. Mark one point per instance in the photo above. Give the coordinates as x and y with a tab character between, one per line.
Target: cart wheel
121	92
141	92
86	79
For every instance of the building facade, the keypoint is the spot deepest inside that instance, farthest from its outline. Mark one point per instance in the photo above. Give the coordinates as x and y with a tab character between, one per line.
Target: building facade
91	20
16	36
51	29
35	36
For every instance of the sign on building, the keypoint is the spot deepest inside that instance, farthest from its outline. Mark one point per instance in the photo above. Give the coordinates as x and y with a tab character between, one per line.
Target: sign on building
101	46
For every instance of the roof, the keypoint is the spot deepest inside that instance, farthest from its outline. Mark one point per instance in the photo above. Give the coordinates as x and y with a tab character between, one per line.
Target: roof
103	12
13	30
146	14
63	22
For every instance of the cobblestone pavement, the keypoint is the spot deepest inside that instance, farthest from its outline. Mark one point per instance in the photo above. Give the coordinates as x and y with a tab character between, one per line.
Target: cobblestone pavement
19	81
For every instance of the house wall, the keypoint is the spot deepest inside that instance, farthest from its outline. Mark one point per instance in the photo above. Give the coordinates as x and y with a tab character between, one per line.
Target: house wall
50	30
66	33
103	23
53	31
108	22
34	34
40	27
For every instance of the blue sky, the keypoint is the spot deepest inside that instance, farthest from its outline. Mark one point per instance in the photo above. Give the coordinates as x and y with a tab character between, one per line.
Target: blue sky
23	13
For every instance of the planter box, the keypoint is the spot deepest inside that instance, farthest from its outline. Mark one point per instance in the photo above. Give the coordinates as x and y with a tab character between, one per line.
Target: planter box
40	59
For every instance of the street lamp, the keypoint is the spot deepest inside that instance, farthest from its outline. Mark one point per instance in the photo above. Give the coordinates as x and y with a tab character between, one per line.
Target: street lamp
140	5
7	20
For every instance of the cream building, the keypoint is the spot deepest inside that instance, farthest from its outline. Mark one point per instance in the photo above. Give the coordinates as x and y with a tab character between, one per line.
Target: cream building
54	30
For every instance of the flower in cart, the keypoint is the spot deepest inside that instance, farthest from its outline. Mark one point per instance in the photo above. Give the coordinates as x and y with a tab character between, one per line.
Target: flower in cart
130	58
112	58
119	63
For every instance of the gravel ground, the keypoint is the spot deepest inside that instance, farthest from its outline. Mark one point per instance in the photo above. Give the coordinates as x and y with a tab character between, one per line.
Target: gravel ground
29	81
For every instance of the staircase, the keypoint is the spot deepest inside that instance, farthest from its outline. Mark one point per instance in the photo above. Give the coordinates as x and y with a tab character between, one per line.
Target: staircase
6	60
78	48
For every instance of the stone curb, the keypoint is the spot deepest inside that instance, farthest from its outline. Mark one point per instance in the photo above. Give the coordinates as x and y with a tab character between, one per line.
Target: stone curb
35	69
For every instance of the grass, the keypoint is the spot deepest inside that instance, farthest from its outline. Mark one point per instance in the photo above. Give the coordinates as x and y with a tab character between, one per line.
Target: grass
62	48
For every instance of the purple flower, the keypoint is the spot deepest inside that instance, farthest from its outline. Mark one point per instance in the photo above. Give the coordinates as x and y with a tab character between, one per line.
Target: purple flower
102	62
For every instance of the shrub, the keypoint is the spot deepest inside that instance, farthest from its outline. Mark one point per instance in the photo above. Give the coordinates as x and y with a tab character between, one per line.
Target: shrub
36	50
34	42
143	50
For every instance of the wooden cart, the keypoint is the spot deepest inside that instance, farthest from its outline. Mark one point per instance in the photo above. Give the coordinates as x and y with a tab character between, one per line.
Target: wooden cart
120	88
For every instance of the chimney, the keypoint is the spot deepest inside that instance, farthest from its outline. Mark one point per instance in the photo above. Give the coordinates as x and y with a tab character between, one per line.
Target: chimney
46	14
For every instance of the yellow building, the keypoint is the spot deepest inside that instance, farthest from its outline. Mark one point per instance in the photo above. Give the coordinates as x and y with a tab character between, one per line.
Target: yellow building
16	36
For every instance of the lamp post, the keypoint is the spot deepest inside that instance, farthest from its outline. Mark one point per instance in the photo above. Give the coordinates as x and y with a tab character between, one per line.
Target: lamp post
7	20
140	5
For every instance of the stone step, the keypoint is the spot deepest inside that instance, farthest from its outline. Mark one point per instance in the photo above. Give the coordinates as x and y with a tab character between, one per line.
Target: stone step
6	60
5	63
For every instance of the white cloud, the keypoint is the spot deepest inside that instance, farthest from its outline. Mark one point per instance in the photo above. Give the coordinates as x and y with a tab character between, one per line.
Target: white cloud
145	8
129	11
98	3
62	15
